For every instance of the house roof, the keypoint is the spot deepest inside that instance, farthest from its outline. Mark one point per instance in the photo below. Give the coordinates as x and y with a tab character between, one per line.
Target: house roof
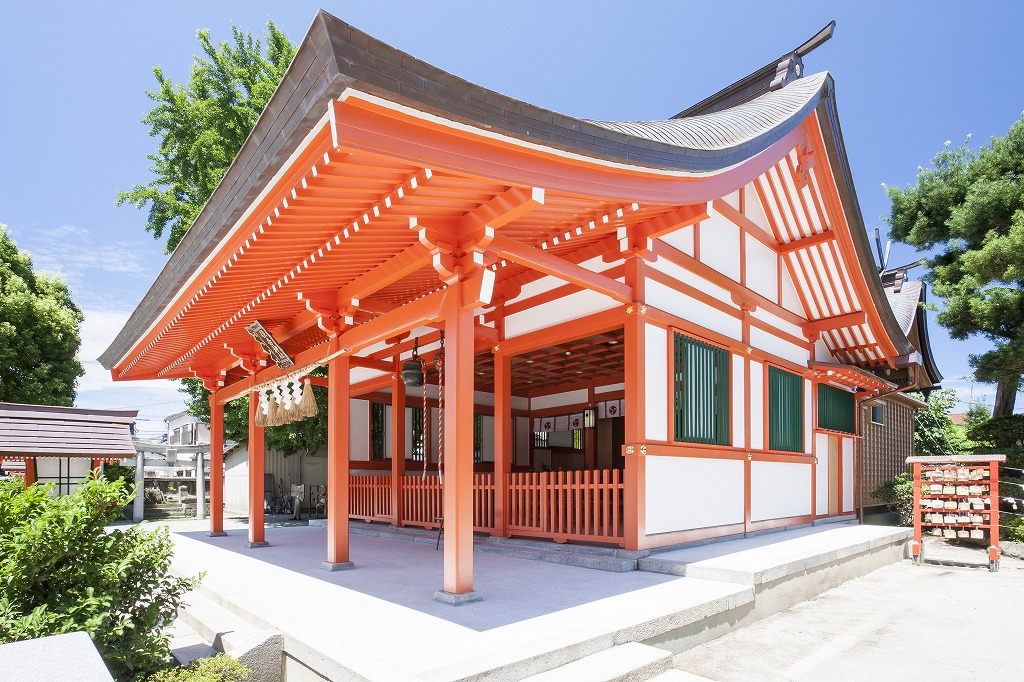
356	126
42	430
907	299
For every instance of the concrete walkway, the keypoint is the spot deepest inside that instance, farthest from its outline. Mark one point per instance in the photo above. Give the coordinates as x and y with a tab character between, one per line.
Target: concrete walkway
901	622
379	622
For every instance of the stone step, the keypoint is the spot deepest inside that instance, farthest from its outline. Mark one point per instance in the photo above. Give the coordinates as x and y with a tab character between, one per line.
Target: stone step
630	662
257	647
598	562
186	644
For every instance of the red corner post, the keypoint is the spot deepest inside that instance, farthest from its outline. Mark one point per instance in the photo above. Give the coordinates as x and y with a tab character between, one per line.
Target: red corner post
398	445
30	471
337	464
257	466
458	450
216	467
502	438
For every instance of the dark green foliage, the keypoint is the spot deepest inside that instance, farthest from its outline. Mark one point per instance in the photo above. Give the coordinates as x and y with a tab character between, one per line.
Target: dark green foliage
898	496
60	572
38	332
969	206
305	436
217	668
202	125
934	432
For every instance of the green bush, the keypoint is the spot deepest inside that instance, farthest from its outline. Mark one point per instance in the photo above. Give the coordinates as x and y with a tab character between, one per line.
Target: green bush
898	496
218	668
62	573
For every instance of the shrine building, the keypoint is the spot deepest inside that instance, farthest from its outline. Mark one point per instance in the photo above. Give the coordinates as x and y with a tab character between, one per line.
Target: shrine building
632	333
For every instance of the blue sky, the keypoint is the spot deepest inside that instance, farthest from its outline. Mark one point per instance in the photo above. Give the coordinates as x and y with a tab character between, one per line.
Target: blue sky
909	76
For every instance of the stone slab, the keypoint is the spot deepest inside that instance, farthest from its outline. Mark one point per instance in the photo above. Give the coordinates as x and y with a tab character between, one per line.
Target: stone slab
53	659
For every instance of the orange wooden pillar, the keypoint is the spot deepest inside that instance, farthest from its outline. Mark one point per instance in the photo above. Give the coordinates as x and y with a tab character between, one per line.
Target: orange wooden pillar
257	467
338	409
635	455
502	438
458	451
398	446
30	471
216	467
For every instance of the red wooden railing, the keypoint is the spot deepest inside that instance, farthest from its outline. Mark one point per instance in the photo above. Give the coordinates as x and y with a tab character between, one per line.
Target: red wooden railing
567	505
573	505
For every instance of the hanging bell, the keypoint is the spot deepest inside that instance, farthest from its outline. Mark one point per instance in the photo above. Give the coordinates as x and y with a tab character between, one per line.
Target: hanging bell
412	373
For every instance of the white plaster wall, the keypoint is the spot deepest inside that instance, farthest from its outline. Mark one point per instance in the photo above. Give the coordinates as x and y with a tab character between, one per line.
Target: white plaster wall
609	388
821	353
486	438
779	490
848	474
236	481
739	403
778	323
359	430
522	441
720	245
756	405
688	308
821	474
520	403
779	347
683	493
656	382
543	402
482	398
685	276
762	269
682	239
357	374
753	209
571	307
790	299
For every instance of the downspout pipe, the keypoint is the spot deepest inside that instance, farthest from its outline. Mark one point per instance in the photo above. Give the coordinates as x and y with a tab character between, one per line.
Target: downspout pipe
914	362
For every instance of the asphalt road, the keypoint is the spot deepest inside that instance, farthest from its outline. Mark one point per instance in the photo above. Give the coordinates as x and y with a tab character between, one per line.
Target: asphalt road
901	622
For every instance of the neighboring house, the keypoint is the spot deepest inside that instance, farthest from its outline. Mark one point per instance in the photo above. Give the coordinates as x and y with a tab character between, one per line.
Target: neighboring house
61	445
185	429
677	318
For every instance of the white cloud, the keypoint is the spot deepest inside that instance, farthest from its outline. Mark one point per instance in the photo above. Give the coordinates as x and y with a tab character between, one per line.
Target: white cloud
71	251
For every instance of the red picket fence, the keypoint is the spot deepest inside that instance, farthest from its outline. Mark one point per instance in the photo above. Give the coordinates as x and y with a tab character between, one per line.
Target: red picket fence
573	505
567	505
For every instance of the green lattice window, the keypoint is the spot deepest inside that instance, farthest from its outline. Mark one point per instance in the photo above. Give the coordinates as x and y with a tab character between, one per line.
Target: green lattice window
418	430
701	391
785	410
478	436
377	430
835	409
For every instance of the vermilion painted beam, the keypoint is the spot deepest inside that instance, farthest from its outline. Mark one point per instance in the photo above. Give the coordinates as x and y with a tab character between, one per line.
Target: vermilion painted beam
216	467
398	446
819	238
337	464
671	221
560	268
748	225
503	209
390	271
838	322
257	464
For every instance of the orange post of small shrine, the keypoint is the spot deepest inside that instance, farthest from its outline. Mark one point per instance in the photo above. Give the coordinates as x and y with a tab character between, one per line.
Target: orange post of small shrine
502	437
635	460
216	467
337	464
257	466
30	471
397	445
458	451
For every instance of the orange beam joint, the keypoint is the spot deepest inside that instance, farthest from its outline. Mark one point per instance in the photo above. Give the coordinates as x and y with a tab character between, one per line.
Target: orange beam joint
816	327
818	238
503	209
560	268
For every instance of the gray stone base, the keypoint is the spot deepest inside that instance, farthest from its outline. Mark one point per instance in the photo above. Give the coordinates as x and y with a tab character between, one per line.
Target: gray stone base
254	545
457	599
339	566
217	534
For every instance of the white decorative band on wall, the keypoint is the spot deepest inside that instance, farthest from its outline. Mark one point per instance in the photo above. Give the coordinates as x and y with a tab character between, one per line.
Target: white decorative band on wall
848	474
689	308
559	311
779	490
821	474
656	386
683	493
543	402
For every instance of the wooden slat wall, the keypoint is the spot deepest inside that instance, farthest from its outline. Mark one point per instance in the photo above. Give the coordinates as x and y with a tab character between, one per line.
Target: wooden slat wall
886	446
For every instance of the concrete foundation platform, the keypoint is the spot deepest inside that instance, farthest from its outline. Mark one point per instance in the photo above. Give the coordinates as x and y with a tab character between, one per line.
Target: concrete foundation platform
534	617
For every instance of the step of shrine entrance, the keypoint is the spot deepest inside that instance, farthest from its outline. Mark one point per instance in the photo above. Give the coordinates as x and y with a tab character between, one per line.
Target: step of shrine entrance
379	622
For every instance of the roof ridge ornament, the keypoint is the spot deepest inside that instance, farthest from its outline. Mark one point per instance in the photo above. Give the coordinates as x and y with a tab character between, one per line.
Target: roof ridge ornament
791	66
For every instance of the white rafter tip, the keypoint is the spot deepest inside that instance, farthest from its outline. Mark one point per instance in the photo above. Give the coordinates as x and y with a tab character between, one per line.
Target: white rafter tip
427	173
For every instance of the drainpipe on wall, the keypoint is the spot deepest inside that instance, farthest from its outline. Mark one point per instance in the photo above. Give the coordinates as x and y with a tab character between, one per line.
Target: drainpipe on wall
914	361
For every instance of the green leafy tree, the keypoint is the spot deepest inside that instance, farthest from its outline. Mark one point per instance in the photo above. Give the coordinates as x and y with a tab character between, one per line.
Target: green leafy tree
969	208
38	332
305	437
934	432
201	125
62	572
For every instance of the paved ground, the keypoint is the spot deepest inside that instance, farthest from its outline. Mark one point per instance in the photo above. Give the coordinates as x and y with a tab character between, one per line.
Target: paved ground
931	622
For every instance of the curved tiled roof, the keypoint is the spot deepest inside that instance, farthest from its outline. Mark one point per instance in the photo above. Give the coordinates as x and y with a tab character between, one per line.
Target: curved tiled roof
904	303
731	127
